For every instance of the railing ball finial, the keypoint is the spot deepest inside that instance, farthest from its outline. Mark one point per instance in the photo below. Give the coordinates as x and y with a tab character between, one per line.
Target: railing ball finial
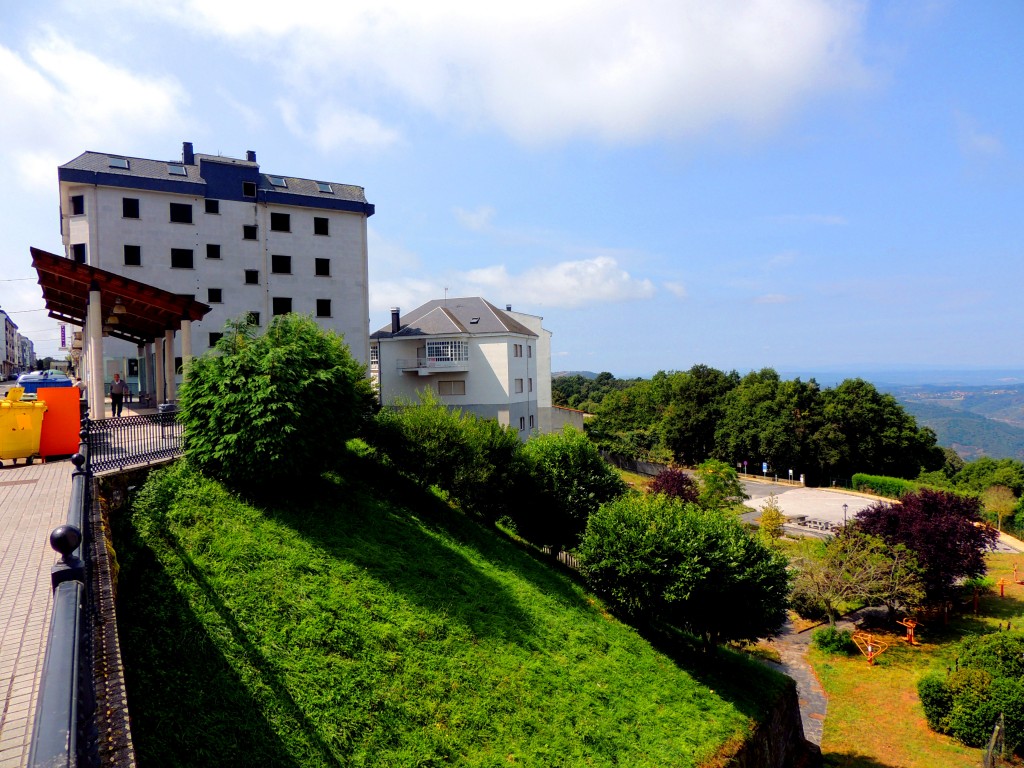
65	539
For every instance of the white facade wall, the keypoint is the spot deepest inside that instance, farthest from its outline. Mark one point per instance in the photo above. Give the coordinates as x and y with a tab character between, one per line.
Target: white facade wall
542	367
105	231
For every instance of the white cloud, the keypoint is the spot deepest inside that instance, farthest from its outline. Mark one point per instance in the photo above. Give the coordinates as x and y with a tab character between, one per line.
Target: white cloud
477	220
61	100
676	289
613	70
335	128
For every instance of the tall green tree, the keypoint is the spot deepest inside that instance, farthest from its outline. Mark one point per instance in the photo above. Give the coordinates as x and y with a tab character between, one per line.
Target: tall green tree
693	408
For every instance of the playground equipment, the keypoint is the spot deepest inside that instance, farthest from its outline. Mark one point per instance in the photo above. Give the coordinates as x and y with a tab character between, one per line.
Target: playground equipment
870	646
1002	587
909	624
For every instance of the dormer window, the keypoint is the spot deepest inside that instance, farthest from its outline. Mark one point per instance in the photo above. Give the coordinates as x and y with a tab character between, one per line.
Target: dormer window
176	170
277	181
119	162
323	186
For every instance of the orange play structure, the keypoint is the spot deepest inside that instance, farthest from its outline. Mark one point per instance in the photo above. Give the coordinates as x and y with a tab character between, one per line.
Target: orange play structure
909	624
870	646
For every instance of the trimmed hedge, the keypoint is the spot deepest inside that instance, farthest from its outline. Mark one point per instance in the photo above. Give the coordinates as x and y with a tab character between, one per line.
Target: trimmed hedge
890	487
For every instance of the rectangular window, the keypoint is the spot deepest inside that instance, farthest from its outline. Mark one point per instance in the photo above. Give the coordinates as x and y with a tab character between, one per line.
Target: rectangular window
253	318
281	305
214	296
323	267
212	251
281	222
529	351
517	350
133	255
249	190
77	205
130	207
531	421
518	386
522	423
323	307
448	351
215	337
277	181
451	387
249	231
321	225
531	384
281	265
181	213
118	162
323	186
176	169
374	354
181	258
213	206
78	252
252	277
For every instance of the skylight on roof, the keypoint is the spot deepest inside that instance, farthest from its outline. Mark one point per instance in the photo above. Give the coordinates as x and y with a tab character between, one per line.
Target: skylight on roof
323	186
119	162
474	321
176	170
277	181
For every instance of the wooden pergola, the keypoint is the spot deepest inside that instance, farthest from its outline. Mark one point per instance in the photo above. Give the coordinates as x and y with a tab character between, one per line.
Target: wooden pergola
103	303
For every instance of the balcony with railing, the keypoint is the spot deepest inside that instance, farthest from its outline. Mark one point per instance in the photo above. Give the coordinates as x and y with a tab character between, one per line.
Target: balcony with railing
425	366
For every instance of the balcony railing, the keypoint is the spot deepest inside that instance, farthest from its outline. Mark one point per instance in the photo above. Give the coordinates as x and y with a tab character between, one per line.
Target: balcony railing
429	364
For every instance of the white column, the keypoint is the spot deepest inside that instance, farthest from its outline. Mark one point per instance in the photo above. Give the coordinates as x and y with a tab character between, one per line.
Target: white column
158	359
150	383
186	346
94	350
169	364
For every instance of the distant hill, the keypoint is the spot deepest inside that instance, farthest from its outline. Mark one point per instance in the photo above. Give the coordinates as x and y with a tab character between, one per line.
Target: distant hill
584	374
962	425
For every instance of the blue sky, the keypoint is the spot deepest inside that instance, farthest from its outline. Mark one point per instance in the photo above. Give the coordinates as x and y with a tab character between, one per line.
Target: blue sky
803	184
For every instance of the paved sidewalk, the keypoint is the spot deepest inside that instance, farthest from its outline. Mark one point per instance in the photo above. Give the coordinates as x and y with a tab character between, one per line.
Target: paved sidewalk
33	501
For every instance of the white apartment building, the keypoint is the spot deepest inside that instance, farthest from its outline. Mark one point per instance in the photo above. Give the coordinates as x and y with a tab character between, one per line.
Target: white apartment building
10	349
474	356
220	230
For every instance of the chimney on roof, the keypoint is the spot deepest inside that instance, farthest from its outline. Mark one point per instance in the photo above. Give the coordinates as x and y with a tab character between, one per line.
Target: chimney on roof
250	155
188	157
396	324
508	307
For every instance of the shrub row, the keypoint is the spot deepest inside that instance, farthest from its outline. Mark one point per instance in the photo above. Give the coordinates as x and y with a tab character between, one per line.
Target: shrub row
890	487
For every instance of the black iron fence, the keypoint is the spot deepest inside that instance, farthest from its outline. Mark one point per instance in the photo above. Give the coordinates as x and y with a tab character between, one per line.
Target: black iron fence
132	441
64	732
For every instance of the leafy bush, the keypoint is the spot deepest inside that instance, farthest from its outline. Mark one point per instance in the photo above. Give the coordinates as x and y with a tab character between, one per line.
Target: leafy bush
892	487
264	412
659	561
720	486
937	700
676	484
832	640
806	605
572	482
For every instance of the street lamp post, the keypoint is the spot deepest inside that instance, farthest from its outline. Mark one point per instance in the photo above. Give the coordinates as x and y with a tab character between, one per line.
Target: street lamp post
844	515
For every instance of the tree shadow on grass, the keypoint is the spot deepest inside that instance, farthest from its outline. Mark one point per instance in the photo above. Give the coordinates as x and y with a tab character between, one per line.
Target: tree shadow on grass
189	706
404	542
852	760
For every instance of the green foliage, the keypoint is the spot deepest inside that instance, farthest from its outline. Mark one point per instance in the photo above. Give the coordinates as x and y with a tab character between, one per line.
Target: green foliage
354	632
892	487
720	486
832	640
572	482
772	519
262	412
659	561
981	474
988	681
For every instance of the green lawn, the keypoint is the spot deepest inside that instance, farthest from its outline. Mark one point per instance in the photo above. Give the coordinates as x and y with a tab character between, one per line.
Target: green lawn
340	629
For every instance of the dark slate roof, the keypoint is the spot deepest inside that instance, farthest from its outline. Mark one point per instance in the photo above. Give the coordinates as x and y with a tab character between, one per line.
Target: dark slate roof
445	317
140	167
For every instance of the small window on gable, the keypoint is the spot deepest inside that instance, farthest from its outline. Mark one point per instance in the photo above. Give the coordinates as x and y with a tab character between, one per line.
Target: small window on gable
212	250
277	181
323	186
249	231
119	162
181	258
175	169
281	265
77	205
78	252
323	307
282	305
133	255
252	277
281	222
181	213
214	295
474	321
323	267
212	206
522	423
249	190
321	225
130	207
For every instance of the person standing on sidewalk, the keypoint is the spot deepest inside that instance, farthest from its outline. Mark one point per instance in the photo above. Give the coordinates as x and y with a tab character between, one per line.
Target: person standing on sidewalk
118	389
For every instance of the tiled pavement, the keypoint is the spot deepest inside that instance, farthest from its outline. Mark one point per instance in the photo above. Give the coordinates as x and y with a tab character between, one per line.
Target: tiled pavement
33	501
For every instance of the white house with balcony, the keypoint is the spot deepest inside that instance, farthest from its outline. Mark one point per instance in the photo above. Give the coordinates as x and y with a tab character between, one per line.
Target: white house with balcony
473	356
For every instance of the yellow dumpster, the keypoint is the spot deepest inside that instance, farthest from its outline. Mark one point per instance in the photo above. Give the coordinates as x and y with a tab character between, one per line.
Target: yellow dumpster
21	425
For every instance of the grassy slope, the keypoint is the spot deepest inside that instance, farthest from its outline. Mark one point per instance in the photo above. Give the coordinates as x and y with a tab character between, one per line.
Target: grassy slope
349	631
